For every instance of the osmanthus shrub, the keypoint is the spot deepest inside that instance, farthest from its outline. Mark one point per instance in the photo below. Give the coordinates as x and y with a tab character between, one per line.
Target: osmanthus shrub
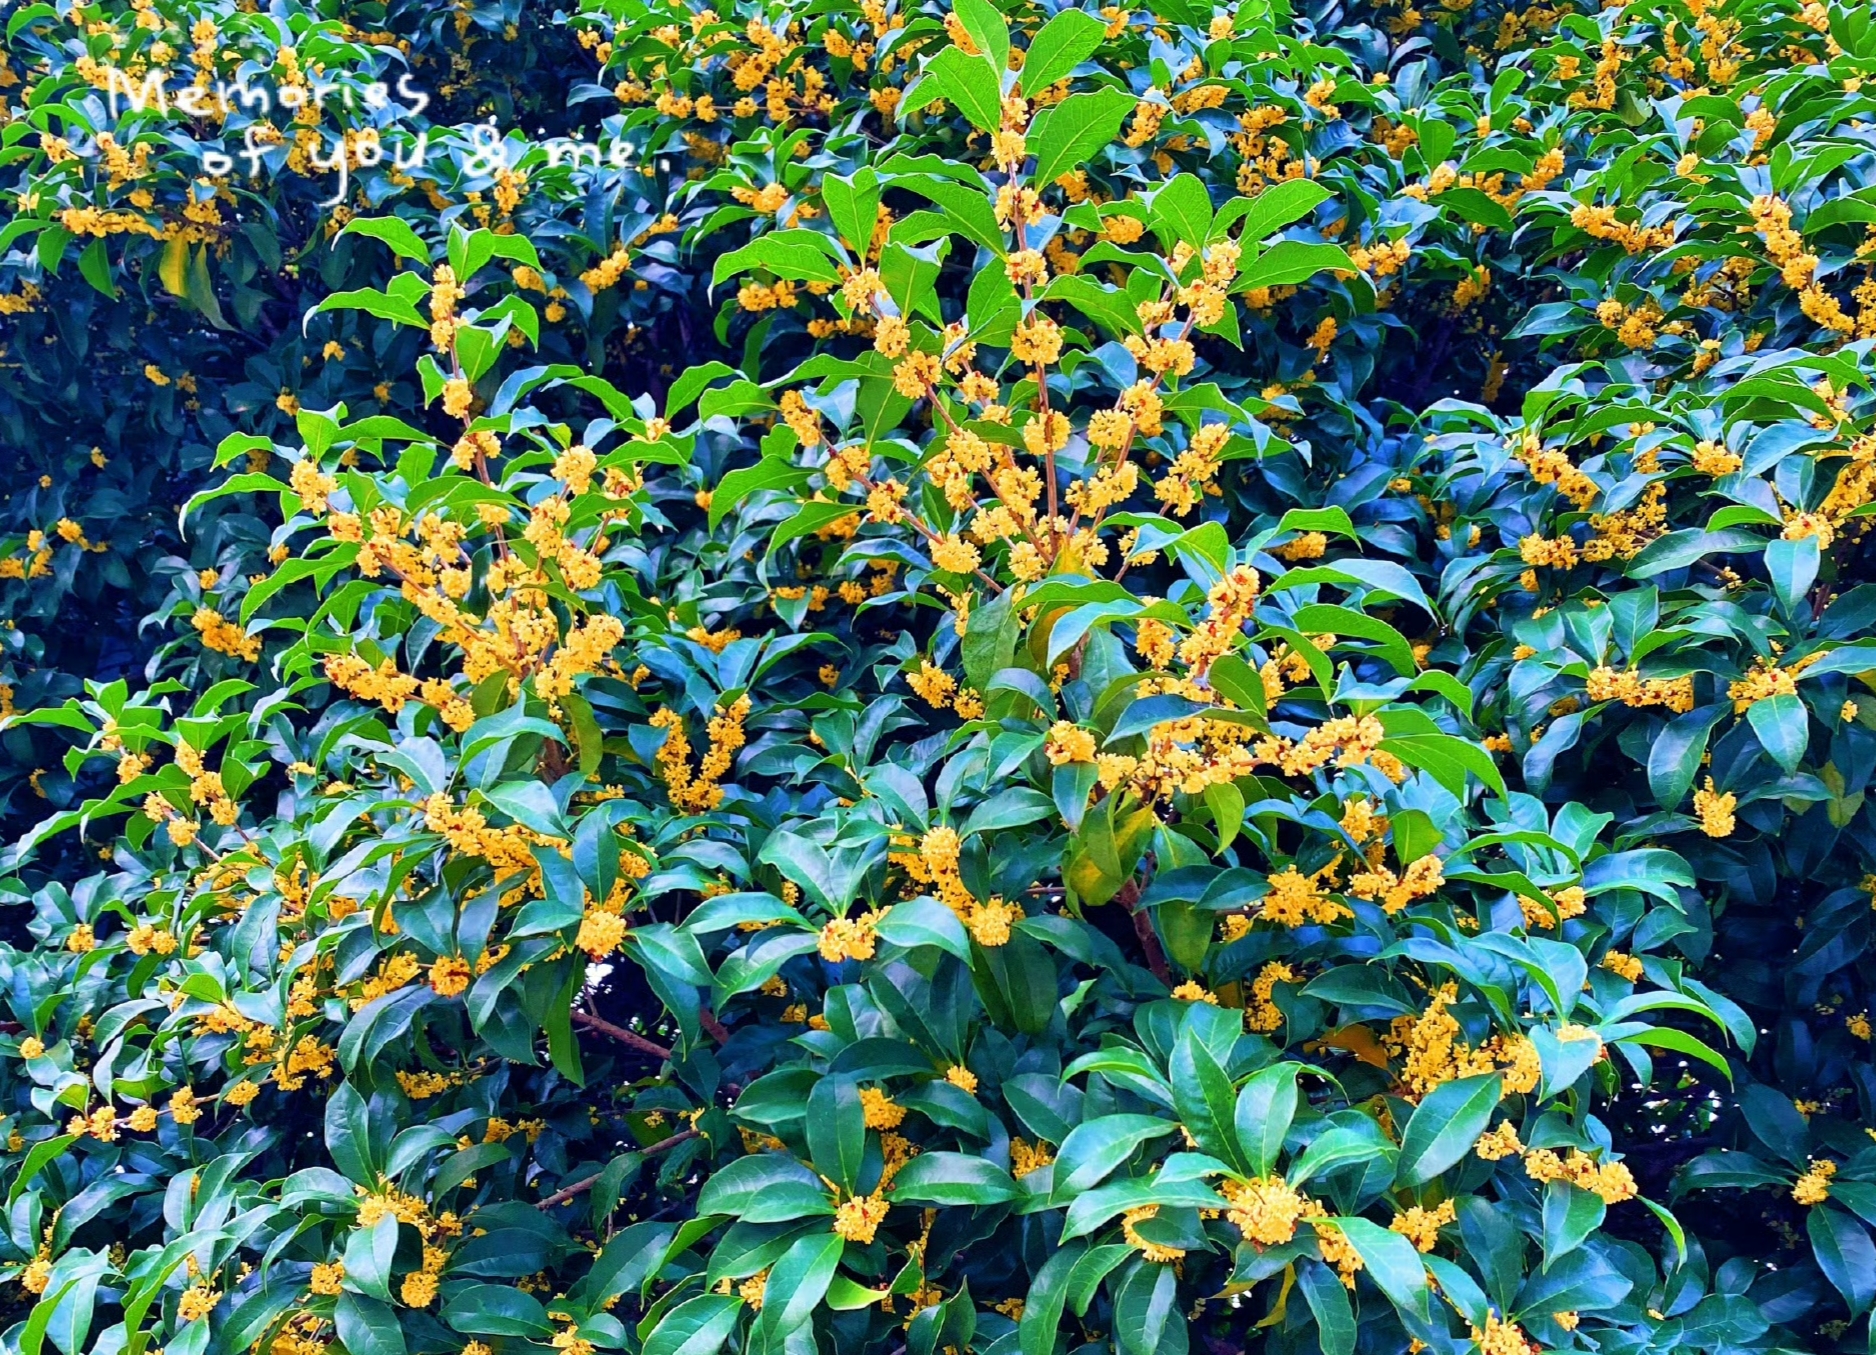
1078	798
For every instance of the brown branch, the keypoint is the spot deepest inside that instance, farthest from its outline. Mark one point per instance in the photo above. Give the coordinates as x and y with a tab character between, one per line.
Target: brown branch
621	1034
1143	928
716	1029
566	1193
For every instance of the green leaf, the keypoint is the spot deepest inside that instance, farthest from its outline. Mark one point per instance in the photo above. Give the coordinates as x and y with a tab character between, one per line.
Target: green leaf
1291	262
1328	1303
398	234
1266	1109
808	519
380	304
1448	759
1783	725
1068	135
1264	215
1012	808
837	1131
1473	205
737	485
952	1179
699	1326
1667	1037
967	209
988	30
1845	1254
1390	644
925	922
1048	1294
801	255
1109	307
1064	42
971	84
1238	683
766	1188
1203	1096
35	1162
691	384
368	1256
1445	1126
1183	210
94	264
201	289
1226	803
797	1284
33	1335
1571	1214
853	205
368	1327
1391	1262
1094	1148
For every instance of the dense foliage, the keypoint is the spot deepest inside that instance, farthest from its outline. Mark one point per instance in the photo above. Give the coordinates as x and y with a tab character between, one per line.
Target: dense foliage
929	680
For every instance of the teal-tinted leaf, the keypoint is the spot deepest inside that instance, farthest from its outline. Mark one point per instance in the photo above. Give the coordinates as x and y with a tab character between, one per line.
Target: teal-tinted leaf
1063	43
1329	1305
497	1310
1571	1214
1445	1126
368	1327
837	1131
952	1179
697	1327
1844	1253
925	922
1266	1108
1391	1262
1783	726
1792	567
1677	550
1096	1147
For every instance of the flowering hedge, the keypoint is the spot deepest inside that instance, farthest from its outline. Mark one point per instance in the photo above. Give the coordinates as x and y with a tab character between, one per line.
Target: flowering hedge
1005	678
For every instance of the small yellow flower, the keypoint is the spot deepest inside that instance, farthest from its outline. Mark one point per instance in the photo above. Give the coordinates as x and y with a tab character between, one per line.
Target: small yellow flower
858	1219
1715	810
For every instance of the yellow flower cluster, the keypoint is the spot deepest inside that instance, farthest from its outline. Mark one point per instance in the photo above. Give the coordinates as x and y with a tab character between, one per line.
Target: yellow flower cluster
1631	689
224	636
1421	879
1714	809
1611	1180
1813	1187
1766	679
1432	1053
1263	1015
1422	1226
699	792
1297	900
851	938
858	1219
935	866
1266	1209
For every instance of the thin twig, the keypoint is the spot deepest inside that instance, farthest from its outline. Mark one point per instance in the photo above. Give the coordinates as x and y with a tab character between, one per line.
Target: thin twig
621	1034
566	1193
